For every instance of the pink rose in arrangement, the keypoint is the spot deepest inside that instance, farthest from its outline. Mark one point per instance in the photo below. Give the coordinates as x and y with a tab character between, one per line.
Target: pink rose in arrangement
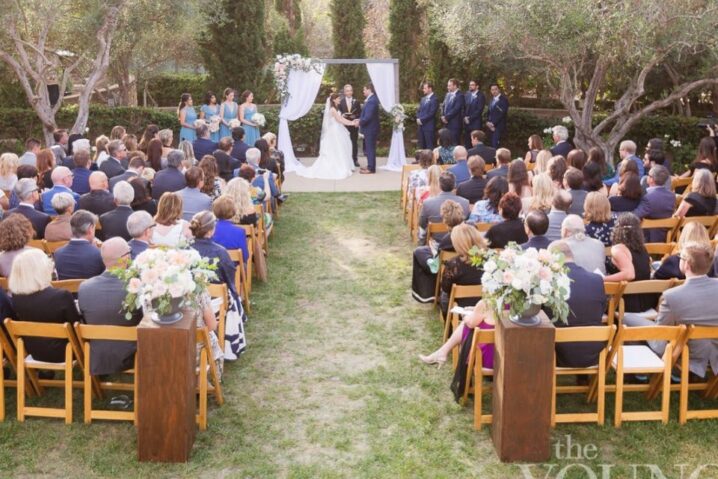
134	285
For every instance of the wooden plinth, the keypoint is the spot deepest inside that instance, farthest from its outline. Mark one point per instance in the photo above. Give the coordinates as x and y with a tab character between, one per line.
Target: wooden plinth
523	365
166	383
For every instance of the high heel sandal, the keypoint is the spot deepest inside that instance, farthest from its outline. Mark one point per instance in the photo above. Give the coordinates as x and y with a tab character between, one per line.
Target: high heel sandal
433	358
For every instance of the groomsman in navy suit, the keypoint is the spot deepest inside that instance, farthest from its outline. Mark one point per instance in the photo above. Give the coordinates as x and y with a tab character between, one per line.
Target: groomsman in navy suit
498	109
426	116
451	113
473	111
369	127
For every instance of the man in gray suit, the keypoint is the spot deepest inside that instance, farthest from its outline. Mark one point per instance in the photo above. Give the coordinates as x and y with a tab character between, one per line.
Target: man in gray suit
193	200
691	303
100	301
431	209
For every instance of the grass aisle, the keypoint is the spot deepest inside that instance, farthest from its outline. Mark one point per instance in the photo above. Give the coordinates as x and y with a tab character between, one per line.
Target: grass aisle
331	386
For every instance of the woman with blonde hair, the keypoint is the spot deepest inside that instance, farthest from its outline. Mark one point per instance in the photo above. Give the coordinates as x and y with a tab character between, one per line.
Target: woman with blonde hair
597	214
542	159
693	232
35	300
170	229
542	199
8	169
117	133
240	191
432	188
701	201
188	150
166	136
274	153
101	153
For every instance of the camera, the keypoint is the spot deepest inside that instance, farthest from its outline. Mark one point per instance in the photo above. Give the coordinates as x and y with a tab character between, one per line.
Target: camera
710	121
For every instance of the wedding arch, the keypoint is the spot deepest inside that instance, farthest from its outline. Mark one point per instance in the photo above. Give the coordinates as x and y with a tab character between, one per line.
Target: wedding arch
298	80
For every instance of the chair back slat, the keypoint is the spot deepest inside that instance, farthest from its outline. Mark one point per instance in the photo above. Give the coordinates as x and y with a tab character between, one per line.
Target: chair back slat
584	333
92	332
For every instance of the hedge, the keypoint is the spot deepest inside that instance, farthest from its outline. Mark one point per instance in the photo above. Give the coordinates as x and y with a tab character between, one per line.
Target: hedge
19	124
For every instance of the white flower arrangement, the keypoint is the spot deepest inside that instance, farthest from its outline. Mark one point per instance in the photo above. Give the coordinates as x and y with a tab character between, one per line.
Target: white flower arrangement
158	276
259	119
515	279
566	120
676	143
214	124
286	63
234	123
548	131
398	115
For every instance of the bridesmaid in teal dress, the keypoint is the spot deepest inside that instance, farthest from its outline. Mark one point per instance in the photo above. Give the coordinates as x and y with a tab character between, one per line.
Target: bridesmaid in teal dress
187	117
227	112
246	111
208	111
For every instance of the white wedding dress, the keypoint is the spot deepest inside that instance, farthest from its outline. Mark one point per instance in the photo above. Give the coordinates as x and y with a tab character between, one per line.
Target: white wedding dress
335	152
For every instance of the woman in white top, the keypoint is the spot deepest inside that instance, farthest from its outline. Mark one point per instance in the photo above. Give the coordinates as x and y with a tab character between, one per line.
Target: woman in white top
8	167
170	229
101	150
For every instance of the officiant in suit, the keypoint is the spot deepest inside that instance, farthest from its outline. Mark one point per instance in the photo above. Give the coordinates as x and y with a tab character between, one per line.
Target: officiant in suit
452	110
426	116
351	110
474	104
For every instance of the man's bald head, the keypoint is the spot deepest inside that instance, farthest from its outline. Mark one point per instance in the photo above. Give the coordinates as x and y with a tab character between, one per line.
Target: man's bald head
98	181
113	250
61	175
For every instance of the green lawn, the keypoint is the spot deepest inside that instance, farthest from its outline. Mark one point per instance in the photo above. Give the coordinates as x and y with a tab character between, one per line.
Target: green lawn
331	385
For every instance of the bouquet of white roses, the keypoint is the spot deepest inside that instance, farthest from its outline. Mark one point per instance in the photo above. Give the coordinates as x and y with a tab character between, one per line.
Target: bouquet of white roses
158	276
234	123
214	124
259	119
516	280
398	115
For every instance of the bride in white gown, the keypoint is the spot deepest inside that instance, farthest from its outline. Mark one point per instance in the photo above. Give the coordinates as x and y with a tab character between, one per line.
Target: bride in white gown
335	148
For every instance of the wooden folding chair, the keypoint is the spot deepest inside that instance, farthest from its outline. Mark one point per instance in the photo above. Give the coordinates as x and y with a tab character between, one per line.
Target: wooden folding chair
475	374
51	246
668	224
613	290
452	320
240	277
696	333
252	236
649	286
36	243
414	224
262	229
73	356
4	283
660	251
220	291
71	285
603	334
484	227
708	221
86	334
405	173
206	363
681	183
640	359
444	256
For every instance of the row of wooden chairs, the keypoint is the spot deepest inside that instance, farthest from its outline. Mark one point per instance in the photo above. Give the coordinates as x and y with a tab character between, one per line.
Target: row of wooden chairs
674	226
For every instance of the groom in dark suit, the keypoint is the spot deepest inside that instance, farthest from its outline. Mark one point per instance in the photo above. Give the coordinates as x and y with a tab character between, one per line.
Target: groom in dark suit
473	111
369	124
453	109
351	110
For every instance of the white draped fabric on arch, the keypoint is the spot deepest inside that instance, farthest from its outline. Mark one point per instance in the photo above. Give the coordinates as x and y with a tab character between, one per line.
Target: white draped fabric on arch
303	88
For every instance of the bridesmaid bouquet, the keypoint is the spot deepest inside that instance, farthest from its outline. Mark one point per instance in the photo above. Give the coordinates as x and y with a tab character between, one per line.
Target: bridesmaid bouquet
214	124
259	119
234	123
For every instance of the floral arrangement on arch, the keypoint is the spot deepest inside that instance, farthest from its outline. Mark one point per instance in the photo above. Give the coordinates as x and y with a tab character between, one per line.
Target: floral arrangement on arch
158	276
285	64
515	280
398	115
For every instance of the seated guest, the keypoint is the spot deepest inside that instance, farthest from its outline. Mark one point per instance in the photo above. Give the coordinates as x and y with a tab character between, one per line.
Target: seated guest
518	178
203	226
573	182
239	148
598	216
691	303
597	157
460	169
543	193
100	301
630	262
535	145
425	265
487	153
264	181
629	194
536	225
657	203
15	233
431	188
559	211
225	163
556	169
625	168
487	210
45	166
80	258
627	152
276	155
240	191
266	161
59	229
139	225
154	154
28	193
585	308
226	233
444	153
114	223
459	269
134	169
62	181
653	156
142	200
170	179
503	158
512	228
171	229
701	201
23	171
112	166
203	145
32	148
588	253
212	185
560	138
99	200
705	158
431	209
35	300
418	178
81	172
193	200
593	176
693	232
166	138
473	188
577	159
